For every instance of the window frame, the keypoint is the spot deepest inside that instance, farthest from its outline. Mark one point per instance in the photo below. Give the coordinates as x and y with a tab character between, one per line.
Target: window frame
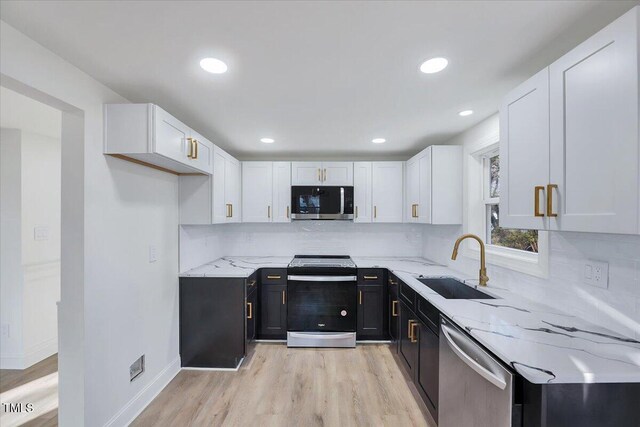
477	221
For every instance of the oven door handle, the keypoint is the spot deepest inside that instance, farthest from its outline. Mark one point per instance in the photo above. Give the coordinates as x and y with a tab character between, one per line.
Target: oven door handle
298	278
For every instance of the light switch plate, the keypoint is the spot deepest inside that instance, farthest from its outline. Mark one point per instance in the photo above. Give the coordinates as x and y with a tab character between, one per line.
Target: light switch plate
41	232
596	273
153	253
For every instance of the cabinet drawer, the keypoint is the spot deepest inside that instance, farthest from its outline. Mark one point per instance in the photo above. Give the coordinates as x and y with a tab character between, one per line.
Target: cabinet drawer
408	295
274	276
428	314
370	276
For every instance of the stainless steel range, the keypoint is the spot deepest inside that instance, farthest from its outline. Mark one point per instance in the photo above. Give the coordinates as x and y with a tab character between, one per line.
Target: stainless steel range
322	301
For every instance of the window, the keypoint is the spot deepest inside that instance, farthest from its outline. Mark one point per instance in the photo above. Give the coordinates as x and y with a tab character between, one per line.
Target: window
523	240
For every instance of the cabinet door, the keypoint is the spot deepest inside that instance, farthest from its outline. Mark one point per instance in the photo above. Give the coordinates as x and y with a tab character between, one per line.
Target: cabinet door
273	311
423	209
394	310
233	188
524	154
428	365
220	211
387	191
407	346
370	311
446	184
252	309
337	173
306	173
412	189
201	153
594	132
281	211
257	191
170	136
362	191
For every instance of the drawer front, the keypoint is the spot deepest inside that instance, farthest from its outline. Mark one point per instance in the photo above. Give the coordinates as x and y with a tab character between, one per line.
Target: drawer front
408	295
273	276
370	276
428	314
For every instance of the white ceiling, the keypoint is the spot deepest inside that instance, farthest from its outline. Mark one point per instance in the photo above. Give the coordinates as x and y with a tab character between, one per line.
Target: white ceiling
322	78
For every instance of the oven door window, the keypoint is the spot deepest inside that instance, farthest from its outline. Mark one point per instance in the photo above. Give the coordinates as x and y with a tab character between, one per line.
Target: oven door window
321	306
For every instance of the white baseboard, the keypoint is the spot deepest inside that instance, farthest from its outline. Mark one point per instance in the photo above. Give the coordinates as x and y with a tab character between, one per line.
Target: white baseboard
140	401
30	357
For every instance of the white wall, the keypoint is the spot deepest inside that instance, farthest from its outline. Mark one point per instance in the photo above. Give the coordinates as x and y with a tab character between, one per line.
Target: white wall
617	307
115	305
200	244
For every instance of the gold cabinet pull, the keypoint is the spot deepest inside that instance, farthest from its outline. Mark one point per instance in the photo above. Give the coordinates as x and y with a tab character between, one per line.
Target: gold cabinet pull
356	212
413	211
536	200
324	178
370	277
416	210
319	174
228	210
250	306
287	212
550	212
410	330
231	210
375	212
268	211
360	298
284	299
392	282
195	149
190	153
274	277
413	336
394	311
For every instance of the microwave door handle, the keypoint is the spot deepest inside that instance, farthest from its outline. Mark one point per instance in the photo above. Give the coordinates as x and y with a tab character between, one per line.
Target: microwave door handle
481	370
341	200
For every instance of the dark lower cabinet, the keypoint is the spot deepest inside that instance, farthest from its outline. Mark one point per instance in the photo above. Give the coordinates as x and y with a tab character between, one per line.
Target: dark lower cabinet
394	312
273	311
252	315
407	346
428	365
371	308
212	322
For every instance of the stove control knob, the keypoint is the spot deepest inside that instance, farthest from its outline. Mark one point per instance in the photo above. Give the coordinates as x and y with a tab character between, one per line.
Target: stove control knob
343	313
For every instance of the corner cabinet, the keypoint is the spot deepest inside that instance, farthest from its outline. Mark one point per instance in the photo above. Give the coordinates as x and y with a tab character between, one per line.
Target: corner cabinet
322	173
433	190
213	199
570	139
378	191
266	191
148	135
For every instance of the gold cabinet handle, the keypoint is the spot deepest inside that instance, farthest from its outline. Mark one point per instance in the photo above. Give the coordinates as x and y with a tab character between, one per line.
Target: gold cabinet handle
319	174
274	277
375	212
284	298
190	153
391	282
231	210
413	336
268	211
370	277
394	311
287	212
195	148
250	306
410	330
324	178
416	210
550	212
536	200
360	298
356	212
228	214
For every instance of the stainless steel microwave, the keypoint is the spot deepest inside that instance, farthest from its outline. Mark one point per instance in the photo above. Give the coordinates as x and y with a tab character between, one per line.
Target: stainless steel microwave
326	202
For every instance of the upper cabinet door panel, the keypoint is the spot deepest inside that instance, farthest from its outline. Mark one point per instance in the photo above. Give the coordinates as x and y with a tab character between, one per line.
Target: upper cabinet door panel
257	188
594	132
306	173
220	211
387	191
201	153
362	191
524	153
233	189
337	173
281	192
423	208
170	136
412	189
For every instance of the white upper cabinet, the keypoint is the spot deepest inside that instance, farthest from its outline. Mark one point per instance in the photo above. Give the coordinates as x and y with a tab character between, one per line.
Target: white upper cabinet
212	199
322	173
257	191
524	154
594	151
362	208
148	135
387	195
434	186
281	211
575	153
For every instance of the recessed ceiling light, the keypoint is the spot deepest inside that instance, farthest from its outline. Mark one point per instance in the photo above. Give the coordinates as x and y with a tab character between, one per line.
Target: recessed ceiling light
378	140
465	113
434	65
213	65
267	140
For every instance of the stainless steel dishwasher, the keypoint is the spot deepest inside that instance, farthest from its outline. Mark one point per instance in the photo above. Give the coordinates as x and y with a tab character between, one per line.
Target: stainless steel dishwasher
475	389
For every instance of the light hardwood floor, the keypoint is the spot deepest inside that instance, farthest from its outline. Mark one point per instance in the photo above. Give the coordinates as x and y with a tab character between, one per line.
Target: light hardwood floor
37	385
280	386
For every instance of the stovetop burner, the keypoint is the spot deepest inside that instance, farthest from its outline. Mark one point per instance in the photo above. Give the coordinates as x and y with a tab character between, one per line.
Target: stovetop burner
331	261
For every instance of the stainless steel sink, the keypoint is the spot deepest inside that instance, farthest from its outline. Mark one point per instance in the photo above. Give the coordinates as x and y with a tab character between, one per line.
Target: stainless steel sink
454	289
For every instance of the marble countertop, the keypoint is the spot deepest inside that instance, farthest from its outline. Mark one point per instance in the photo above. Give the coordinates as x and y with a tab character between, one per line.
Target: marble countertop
543	344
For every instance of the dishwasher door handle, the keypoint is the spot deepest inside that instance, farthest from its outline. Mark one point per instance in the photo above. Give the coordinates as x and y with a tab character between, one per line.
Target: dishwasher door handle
481	370
323	278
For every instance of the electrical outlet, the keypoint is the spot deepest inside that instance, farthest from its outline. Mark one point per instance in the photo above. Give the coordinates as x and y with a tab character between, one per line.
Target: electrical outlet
5	330
596	273
136	369
153	253
41	232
